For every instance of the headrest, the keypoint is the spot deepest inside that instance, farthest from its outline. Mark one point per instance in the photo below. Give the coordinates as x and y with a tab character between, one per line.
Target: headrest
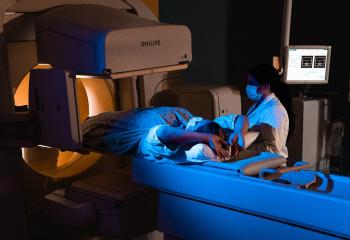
250	162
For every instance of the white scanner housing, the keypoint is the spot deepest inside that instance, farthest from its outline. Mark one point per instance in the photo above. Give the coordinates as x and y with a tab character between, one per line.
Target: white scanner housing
91	39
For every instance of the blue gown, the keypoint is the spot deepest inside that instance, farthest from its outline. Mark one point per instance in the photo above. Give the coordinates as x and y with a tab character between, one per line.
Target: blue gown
132	132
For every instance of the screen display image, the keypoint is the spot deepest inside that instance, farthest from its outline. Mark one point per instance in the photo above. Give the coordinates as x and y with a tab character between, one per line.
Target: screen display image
307	64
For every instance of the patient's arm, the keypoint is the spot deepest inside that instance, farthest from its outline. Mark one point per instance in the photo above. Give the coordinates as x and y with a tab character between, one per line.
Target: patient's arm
266	141
177	137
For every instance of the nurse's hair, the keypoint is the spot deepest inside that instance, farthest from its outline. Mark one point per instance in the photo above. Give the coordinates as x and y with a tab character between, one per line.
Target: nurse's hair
267	74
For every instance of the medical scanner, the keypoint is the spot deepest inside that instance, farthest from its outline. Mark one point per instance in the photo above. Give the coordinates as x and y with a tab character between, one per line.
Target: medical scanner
142	51
87	57
51	102
129	46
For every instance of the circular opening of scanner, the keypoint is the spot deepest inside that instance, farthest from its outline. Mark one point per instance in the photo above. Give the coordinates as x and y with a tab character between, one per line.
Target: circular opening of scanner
94	96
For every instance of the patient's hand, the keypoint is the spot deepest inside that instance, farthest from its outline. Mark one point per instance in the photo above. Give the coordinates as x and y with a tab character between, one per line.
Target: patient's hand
237	144
234	150
219	146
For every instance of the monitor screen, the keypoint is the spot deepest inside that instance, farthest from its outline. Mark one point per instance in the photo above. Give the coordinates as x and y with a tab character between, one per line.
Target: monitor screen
306	64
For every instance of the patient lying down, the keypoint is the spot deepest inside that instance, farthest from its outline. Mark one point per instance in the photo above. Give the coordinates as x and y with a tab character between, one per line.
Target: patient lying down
165	132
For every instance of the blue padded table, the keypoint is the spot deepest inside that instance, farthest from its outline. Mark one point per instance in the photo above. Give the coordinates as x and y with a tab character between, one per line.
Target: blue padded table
216	201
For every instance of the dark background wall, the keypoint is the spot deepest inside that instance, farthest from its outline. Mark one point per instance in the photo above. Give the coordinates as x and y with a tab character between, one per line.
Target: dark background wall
255	35
227	36
208	22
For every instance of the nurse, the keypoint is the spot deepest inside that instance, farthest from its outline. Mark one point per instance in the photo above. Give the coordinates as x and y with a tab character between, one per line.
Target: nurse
271	114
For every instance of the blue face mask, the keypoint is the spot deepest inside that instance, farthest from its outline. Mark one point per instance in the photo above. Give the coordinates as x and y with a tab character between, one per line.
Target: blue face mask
252	92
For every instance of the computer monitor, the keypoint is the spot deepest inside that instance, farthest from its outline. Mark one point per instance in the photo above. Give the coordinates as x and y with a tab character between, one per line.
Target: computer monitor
307	64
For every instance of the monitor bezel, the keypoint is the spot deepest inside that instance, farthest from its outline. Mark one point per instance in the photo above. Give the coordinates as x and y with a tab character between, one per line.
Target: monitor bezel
286	57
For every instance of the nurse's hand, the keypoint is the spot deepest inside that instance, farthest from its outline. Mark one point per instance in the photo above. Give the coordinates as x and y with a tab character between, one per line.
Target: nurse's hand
219	146
237	138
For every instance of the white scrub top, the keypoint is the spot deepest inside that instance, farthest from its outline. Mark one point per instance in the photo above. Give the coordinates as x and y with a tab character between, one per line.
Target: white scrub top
272	112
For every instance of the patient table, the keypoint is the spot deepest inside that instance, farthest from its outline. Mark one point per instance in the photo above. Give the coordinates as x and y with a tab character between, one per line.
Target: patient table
217	201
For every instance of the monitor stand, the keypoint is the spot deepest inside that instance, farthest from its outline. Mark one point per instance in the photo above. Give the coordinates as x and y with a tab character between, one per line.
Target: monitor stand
306	91
308	94
308	141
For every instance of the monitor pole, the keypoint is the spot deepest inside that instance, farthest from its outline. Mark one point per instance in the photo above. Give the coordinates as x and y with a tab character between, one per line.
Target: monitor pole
286	21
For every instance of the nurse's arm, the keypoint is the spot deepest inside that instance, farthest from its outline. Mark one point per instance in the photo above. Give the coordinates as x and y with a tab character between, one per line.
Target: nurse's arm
266	141
241	126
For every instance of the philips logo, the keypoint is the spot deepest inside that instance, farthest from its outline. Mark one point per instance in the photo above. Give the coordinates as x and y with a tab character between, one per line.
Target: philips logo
151	43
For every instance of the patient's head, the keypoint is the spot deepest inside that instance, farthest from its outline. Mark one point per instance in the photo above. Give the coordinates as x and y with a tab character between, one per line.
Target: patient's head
207	126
